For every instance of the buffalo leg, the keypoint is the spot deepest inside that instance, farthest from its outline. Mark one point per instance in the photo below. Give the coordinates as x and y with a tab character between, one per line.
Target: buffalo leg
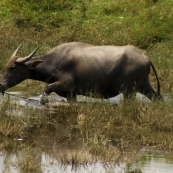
59	87
128	91
128	95
148	90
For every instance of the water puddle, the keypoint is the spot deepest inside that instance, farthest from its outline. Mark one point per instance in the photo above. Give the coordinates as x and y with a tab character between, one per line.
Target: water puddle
153	163
54	99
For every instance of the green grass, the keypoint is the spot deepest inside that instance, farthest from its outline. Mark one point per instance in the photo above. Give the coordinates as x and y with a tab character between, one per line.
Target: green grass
145	24
141	23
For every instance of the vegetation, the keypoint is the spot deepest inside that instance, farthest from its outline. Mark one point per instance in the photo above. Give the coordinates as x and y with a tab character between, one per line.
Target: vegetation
146	24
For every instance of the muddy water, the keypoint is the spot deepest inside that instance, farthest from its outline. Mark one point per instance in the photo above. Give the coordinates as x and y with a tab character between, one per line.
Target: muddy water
13	160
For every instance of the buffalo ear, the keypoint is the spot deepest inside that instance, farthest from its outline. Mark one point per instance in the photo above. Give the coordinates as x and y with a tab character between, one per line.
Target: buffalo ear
33	64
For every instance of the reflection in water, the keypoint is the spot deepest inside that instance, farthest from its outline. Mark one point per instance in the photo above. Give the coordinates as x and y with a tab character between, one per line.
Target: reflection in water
35	160
49	165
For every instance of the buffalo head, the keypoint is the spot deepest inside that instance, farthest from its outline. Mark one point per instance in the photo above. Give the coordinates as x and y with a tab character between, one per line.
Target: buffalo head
16	70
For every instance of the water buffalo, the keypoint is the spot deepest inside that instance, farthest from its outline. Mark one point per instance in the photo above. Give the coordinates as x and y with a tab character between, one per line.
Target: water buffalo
77	68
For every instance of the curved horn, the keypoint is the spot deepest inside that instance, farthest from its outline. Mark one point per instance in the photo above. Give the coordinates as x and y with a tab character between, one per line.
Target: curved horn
15	52
27	58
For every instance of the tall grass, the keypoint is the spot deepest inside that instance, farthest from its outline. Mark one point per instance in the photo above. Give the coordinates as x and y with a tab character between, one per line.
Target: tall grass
126	126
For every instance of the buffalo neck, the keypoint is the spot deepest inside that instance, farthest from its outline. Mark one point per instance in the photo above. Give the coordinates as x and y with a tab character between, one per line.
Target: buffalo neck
37	73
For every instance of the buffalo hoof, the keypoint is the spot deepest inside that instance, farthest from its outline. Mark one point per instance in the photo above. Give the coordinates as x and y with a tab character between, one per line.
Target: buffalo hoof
44	99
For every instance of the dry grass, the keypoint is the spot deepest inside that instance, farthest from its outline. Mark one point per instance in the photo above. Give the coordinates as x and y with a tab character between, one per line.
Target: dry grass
95	124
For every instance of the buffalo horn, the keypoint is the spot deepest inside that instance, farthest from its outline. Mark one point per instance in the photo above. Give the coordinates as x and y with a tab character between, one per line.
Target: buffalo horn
15	52
27	58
